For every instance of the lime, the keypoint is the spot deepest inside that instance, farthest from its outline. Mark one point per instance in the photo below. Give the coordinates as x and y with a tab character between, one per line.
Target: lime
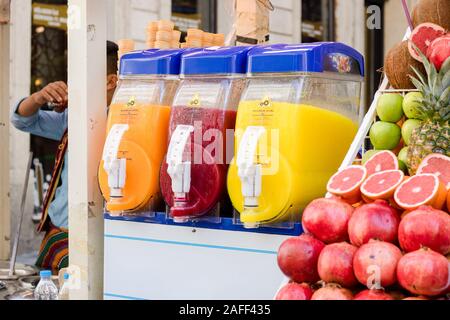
403	155
403	159
390	108
408	128
385	135
369	154
411	103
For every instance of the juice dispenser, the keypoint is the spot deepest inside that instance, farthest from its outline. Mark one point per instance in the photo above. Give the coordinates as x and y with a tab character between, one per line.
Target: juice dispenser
296	120
137	130
203	116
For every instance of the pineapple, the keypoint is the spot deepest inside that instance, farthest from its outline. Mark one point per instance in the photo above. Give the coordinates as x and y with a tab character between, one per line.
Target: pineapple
433	136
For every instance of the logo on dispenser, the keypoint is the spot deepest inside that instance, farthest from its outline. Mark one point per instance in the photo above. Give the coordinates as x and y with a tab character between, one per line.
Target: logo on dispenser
195	101
132	102
266	102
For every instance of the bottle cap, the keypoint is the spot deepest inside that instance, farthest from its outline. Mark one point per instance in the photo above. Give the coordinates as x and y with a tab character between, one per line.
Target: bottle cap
45	273
66	276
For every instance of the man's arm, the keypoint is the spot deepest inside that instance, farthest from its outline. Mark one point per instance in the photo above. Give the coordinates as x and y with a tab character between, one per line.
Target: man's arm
28	117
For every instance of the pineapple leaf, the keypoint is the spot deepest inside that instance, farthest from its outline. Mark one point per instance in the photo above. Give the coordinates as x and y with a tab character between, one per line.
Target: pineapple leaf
420	76
446	66
418	84
445	96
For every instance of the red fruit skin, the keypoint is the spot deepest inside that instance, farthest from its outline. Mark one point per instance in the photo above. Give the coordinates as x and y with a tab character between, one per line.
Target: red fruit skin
373	256
298	256
439	51
424	272
336	264
373	295
295	291
332	292
327	219
425	227
375	220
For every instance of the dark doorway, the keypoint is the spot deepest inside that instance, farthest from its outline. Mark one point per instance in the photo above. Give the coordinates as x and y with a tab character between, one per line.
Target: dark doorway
317	20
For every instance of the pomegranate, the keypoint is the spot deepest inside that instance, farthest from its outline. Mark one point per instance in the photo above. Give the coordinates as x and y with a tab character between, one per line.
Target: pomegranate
336	264
375	264
375	220
295	291
439	51
327	219
373	295
332	292
425	227
424	272
297	258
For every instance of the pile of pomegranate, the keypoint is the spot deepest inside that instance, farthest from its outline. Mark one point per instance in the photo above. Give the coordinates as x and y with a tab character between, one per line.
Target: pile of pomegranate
371	252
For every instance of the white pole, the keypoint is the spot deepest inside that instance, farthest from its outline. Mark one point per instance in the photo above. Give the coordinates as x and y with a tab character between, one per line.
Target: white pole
87	123
4	134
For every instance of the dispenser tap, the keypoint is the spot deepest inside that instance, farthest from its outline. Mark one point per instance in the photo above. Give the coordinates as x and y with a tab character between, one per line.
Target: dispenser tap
114	167
179	171
250	172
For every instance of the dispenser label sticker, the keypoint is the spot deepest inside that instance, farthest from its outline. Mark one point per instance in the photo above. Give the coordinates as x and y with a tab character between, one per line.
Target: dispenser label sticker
264	91
198	94
112	144
137	92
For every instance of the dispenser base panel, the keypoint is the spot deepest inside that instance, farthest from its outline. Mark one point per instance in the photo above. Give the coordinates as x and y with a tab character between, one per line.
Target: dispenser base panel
165	262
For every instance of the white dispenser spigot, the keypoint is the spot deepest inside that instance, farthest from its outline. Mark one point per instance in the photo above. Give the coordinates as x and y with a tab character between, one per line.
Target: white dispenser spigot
179	171
114	167
250	172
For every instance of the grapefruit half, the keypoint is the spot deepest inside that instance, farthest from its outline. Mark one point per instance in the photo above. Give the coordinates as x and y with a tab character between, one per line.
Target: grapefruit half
419	190
381	161
439	165
347	182
382	185
422	37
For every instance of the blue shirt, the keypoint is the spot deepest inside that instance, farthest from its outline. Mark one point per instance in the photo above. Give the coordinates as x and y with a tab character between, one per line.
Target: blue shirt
50	125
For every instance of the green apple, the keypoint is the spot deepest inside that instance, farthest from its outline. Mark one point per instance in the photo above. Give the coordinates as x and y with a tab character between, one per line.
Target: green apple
385	135
411	102
390	107
408	128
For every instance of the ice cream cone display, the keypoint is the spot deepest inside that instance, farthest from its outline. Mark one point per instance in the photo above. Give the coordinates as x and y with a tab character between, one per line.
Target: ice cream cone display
176	36
125	46
219	39
195	34
166	25
163	35
162	45
175	45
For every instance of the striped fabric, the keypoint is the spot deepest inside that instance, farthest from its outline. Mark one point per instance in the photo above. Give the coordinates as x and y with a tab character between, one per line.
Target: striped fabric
54	252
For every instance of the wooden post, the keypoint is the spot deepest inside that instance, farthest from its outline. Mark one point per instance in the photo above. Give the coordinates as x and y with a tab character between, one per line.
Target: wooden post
87	125
4	131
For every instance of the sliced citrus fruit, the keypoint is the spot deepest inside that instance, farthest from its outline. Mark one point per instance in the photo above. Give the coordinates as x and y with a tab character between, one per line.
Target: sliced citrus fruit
347	182
419	190
381	161
382	185
439	165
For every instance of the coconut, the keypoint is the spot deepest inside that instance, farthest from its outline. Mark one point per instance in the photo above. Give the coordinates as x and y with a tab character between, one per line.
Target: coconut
434	11
398	67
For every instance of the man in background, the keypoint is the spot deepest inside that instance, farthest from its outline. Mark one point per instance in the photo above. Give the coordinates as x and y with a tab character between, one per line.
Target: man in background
27	116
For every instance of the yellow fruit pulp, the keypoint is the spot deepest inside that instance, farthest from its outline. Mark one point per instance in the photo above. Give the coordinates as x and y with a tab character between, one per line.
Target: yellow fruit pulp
302	148
144	146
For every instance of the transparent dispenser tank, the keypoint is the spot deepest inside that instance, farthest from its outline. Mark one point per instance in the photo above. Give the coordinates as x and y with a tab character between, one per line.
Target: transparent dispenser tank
296	120
203	117
137	132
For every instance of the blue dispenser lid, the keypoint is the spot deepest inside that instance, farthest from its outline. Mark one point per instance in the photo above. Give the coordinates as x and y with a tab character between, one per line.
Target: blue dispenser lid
151	62
215	60
309	57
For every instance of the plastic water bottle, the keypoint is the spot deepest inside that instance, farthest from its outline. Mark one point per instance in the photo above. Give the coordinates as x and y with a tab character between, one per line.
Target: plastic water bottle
64	292
46	289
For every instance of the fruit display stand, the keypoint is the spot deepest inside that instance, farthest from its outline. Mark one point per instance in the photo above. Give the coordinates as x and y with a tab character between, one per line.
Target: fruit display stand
406	254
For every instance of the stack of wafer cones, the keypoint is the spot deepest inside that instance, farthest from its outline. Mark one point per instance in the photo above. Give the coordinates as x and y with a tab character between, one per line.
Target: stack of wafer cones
125	46
161	35
197	38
